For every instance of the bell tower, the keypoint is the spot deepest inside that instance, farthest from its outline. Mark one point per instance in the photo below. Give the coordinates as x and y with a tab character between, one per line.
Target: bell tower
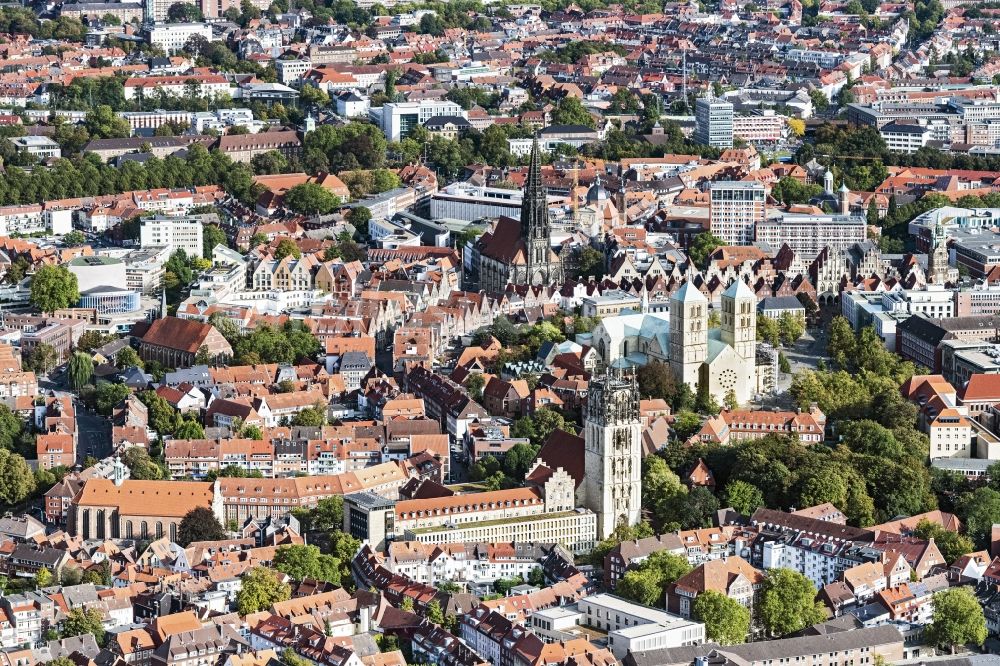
688	333
613	451
739	319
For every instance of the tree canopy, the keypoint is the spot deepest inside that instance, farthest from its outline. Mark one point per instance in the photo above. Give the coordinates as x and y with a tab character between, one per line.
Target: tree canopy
647	583
199	524
54	288
958	619
788	602
260	588
727	621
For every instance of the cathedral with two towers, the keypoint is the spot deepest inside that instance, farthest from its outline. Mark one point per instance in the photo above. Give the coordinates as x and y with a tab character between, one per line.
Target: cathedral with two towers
718	359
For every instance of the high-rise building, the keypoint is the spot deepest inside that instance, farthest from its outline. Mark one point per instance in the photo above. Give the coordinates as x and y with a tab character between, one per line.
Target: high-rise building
713	122
737	207
613	452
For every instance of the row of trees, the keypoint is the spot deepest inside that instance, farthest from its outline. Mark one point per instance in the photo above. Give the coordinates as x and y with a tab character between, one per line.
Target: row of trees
89	176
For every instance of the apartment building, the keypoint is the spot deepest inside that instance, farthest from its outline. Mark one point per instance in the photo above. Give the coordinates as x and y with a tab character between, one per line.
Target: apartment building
766	127
735	210
16	383
154	119
205	85
172	37
951	435
733	577
818	549
175	233
809	234
476	564
207	645
55	450
445	401
29	614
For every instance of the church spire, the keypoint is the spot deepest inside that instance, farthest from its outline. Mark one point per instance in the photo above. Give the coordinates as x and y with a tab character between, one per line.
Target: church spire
534	209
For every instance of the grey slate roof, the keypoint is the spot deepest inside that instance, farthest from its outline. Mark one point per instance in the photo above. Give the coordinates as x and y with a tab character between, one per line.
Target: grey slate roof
787	648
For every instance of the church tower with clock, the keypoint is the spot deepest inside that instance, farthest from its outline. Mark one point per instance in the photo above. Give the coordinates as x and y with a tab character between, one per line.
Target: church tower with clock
613	451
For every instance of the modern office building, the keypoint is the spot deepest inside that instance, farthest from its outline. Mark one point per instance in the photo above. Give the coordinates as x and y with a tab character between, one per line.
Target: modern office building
464	201
41	147
399	118
903	137
809	234
736	208
713	122
633	627
177	233
763	127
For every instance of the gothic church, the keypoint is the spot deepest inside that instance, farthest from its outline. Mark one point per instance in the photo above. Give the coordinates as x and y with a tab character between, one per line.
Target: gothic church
520	252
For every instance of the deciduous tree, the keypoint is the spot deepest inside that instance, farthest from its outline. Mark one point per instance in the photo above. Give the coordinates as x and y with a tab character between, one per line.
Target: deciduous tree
16	480
81	370
199	524
788	602
743	497
54	288
260	589
727	621
958	619
647	583
80	621
703	245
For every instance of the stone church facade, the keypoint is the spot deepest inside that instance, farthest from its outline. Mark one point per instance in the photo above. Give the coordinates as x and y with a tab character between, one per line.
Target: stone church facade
520	251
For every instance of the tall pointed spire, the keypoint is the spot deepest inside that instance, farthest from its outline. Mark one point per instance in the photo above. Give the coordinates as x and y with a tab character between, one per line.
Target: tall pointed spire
163	303
534	210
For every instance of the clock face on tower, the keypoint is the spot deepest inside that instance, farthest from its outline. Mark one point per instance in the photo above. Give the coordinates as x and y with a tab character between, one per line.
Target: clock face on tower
727	379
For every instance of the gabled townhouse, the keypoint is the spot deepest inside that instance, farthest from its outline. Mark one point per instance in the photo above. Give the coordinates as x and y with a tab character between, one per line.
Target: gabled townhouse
733	577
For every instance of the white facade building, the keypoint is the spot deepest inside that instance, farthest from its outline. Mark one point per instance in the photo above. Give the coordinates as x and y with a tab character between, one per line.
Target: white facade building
463	201
177	233
905	138
736	208
713	122
291	71
399	118
632	627
41	147
809	234
172	37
